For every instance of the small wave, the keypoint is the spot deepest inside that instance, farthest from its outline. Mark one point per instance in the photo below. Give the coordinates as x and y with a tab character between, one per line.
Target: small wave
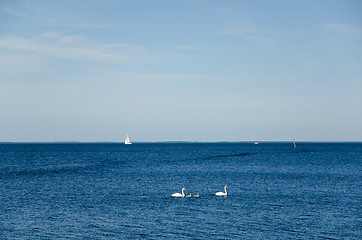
44	171
307	151
64	169
229	155
108	231
328	237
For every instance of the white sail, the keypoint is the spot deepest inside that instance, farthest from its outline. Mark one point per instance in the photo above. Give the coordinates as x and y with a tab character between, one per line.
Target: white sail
127	141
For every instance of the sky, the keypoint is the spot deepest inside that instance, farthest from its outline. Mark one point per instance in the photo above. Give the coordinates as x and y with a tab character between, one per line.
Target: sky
192	70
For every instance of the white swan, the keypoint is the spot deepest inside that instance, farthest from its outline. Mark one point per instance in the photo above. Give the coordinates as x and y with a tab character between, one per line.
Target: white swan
222	193
179	194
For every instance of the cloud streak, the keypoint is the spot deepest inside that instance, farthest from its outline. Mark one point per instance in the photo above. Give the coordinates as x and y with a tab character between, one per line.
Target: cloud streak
344	28
64	47
59	45
246	30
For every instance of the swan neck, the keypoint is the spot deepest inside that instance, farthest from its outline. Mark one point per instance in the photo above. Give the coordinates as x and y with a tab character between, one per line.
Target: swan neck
183	194
225	189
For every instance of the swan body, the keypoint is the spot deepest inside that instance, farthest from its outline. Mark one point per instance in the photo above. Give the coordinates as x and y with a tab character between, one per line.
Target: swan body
222	193
179	194
197	195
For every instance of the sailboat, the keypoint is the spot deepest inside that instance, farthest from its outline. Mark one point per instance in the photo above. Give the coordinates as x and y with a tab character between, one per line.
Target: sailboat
294	143
127	141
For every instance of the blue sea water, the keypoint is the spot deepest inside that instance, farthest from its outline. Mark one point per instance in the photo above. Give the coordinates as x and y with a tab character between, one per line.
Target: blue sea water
117	191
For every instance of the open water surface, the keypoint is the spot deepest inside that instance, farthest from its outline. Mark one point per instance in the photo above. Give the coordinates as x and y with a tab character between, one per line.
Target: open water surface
117	191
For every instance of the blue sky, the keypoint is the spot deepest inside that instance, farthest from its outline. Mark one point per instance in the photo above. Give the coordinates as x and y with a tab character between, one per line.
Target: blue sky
198	70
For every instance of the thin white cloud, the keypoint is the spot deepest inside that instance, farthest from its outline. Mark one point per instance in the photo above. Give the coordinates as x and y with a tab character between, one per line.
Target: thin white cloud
23	14
188	48
32	54
144	77
62	46
344	28
63	38
13	12
52	35
64	17
246	30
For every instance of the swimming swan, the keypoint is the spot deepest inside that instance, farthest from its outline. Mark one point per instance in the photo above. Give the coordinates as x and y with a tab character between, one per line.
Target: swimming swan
222	193
197	195
179	194
188	195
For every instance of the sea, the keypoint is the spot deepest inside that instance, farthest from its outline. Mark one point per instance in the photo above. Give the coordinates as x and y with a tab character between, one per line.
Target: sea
118	191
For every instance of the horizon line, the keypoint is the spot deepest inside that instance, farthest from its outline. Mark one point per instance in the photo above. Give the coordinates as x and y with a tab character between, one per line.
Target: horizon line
184	141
